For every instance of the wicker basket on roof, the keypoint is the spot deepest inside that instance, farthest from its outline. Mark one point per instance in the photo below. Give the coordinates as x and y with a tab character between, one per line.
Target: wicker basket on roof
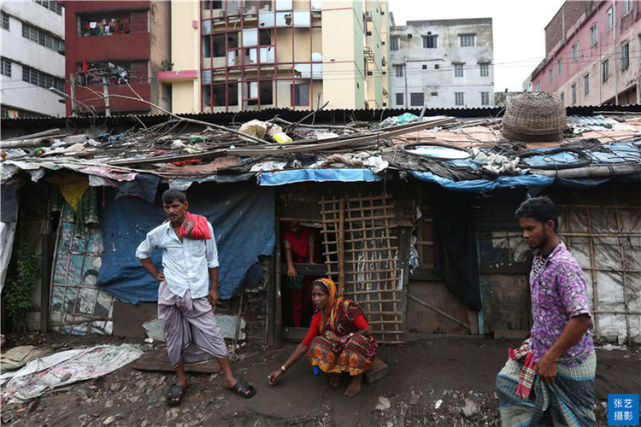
534	117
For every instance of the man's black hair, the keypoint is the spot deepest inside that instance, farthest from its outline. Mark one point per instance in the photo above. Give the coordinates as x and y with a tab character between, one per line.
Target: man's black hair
170	195
541	209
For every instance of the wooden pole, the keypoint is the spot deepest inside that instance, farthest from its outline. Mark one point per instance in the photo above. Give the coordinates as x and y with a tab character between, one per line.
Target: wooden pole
341	246
105	93
442	313
72	89
595	293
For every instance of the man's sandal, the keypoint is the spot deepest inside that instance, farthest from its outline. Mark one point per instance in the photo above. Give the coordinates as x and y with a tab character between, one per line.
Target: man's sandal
175	395
243	389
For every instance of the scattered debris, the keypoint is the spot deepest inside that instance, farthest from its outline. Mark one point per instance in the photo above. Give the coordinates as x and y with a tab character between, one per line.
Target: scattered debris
383	404
470	408
19	356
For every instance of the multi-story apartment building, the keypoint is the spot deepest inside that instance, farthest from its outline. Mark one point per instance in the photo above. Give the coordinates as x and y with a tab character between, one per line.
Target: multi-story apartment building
231	55
33	58
442	63
119	46
593	53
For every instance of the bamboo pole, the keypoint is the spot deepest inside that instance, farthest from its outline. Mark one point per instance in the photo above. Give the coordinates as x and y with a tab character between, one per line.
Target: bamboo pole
595	297
591	171
341	246
441	312
601	234
390	255
625	294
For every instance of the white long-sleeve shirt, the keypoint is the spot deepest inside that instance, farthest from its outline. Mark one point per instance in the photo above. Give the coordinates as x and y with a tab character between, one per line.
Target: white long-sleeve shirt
185	264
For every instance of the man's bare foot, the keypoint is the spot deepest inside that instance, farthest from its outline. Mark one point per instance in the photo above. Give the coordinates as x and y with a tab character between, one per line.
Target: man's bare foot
334	379
354	386
230	382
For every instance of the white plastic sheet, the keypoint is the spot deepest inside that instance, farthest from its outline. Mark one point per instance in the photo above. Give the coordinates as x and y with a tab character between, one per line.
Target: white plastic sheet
64	368
7	234
615	260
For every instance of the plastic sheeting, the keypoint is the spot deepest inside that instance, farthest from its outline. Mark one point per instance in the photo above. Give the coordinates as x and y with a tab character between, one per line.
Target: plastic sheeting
64	368
533	182
485	185
243	219
7	234
317	175
78	306
612	266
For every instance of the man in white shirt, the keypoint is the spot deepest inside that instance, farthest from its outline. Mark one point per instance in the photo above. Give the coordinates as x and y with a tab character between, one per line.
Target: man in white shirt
188	290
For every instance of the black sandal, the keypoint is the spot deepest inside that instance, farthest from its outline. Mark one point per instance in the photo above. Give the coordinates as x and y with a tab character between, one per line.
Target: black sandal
175	395
243	389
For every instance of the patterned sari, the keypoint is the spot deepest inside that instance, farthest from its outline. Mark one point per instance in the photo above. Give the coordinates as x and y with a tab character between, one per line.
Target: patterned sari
353	354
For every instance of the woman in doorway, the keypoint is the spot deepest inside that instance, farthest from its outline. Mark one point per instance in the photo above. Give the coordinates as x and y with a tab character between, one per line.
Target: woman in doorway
299	247
339	339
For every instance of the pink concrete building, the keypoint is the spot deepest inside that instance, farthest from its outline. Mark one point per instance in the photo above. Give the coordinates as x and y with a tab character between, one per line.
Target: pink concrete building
593	53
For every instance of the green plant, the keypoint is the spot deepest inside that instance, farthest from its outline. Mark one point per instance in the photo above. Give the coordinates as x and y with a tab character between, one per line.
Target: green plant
166	65
18	292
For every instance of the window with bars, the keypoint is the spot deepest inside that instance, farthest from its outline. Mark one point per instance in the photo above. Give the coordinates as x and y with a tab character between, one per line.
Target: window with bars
398	70
485	98
300	94
394	42
610	18
399	99
458	98
51	5
586	84
605	70
467	40
485	70
625	56
573	89
43	80
5	22
575	52
417	99
6	67
594	36
559	65
551	75
458	70
430	41
43	38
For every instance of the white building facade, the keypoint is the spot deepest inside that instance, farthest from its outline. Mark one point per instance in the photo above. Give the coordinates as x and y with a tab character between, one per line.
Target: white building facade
442	64
33	58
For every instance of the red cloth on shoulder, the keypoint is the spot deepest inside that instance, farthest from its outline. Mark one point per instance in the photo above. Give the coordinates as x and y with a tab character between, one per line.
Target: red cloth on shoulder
195	227
314	328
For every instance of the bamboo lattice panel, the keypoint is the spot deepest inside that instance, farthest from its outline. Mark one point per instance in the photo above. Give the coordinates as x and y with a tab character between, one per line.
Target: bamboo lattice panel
369	259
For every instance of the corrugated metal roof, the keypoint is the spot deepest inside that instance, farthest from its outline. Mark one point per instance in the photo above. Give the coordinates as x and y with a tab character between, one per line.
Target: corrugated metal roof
323	116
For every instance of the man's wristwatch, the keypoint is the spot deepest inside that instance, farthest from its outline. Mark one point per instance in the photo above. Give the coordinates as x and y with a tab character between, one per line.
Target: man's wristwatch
282	368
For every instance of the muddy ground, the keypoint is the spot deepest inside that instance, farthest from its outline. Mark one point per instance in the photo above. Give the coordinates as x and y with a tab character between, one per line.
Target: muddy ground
440	380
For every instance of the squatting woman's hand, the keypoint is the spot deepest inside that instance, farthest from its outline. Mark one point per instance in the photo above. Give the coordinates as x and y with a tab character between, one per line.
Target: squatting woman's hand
332	336
273	377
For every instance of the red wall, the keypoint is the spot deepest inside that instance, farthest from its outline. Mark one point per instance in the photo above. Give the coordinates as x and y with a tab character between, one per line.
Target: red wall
118	47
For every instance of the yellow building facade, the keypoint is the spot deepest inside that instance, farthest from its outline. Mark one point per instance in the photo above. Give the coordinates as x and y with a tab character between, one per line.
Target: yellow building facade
233	55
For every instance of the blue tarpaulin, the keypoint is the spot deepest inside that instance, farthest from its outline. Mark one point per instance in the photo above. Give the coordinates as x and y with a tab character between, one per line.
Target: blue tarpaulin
316	175
485	185
243	219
